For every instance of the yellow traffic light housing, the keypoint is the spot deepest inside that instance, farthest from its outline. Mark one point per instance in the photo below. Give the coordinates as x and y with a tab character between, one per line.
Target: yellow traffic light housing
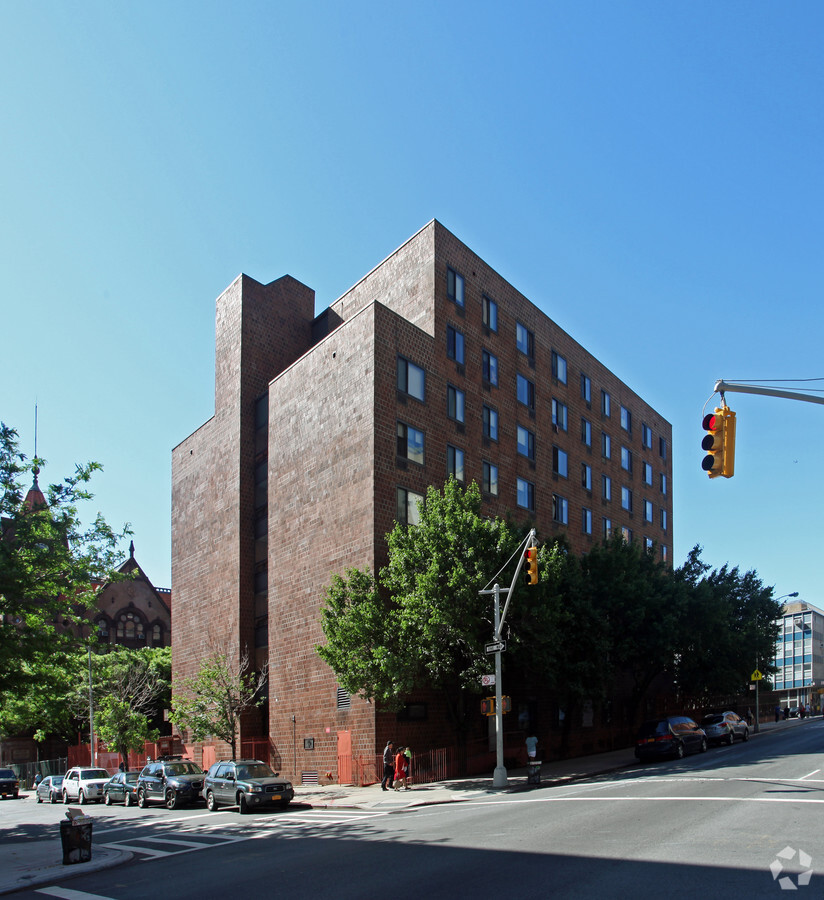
488	706
719	442
531	565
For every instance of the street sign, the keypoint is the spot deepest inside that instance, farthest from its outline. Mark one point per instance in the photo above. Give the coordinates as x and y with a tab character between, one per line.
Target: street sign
495	646
487	680
756	676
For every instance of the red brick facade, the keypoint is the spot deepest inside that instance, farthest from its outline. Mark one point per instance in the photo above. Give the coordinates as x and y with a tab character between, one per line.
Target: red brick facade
262	516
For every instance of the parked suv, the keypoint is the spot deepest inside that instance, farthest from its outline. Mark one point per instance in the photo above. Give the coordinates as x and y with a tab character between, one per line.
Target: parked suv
9	783
669	736
83	783
171	780
245	783
726	727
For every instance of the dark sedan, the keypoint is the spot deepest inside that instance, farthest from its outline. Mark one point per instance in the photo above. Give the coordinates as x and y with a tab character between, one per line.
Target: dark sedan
669	736
50	789
121	788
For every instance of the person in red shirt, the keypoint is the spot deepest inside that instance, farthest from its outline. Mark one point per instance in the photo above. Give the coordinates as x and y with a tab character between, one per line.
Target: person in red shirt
400	769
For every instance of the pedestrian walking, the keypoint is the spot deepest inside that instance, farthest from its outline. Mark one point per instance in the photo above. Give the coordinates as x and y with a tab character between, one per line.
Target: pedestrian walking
408	754
388	765
531	747
777	712
400	770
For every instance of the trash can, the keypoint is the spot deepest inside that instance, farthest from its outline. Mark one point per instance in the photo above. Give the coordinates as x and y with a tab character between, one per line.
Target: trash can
76	837
534	774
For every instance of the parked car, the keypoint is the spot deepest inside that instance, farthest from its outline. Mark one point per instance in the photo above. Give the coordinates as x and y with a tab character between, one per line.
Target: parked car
792	712
9	784
171	780
725	727
121	788
50	788
669	736
84	783
245	783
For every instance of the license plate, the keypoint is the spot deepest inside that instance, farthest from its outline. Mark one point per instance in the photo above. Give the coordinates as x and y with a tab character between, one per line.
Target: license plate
275	797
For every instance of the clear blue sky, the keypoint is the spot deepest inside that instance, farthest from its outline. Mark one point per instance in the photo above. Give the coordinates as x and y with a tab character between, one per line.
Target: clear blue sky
649	174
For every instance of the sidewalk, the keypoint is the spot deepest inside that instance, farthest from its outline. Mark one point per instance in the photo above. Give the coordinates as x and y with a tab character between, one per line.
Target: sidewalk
32	863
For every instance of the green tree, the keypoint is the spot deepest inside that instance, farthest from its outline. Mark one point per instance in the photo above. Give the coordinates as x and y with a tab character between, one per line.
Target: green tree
212	702
49	564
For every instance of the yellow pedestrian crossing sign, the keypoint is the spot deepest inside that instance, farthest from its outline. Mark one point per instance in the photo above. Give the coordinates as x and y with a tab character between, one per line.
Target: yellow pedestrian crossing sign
756	676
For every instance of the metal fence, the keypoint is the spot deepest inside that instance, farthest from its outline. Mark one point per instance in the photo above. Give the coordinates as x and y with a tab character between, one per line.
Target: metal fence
27	772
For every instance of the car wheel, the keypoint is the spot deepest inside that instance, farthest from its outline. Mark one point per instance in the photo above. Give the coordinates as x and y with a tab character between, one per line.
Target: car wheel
242	805
703	747
81	797
211	803
141	798
127	800
731	738
746	735
679	750
39	799
52	797
108	799
171	800
65	797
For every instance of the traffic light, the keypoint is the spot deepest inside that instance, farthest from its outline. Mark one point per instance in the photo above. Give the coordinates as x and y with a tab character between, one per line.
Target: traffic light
719	442
531	565
488	706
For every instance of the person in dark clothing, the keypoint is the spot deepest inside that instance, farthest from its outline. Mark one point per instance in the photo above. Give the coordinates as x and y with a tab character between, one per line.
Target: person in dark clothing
388	765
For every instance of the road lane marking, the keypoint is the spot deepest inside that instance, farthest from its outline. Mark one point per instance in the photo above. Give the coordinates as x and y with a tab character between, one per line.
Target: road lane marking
68	894
814	772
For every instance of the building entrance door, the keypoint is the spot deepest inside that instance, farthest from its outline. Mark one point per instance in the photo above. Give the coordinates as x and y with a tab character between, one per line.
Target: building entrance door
344	757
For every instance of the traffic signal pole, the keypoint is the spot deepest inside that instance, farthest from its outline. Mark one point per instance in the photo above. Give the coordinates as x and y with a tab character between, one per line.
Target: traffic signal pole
735	387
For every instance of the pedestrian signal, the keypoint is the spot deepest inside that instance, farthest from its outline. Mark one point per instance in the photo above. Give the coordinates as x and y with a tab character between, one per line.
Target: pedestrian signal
719	442
488	706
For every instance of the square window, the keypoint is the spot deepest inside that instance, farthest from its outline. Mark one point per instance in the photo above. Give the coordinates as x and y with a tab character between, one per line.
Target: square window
490	368
586	432
411	379
606	404
455	287
526	392
490	423
455	403
410	443
455	463
490	485
560	415
606	487
586	388
560	462
490	312
526	442
560	509
454	344
559	367
524	340
526	494
408	507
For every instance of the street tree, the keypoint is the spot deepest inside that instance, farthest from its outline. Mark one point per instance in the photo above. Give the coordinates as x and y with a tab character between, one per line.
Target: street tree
212	702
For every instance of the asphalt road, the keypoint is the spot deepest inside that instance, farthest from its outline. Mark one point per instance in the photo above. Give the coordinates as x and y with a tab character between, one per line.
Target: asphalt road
732	822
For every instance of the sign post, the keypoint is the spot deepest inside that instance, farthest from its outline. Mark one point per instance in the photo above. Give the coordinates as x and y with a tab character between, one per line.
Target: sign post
756	677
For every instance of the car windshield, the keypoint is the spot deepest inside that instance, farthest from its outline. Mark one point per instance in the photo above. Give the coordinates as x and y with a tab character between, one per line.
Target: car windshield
94	773
258	770
659	726
712	720
183	768
6	773
57	779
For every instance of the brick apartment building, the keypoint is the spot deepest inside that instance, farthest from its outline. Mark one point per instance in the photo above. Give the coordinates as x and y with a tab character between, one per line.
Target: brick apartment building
329	428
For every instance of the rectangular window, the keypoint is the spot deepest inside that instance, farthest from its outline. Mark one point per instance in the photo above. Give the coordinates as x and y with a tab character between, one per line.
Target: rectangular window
524	340
647	474
410	443
663	520
526	392
454	344
648	510
526	442
559	367
526	494
586	477
408	507
586	520
455	463
648	544
606	487
586	432
455	287
626	534
455	403
646	436
606	404
626	459
663	483
560	509
607	526
490	423
490	308
490	485
586	389
664	552
560	415
626	499
411	379
606	446
662	448
490	371
626	419
560	462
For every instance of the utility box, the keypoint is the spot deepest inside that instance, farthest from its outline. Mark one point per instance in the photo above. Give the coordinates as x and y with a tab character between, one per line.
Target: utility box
76	837
533	775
